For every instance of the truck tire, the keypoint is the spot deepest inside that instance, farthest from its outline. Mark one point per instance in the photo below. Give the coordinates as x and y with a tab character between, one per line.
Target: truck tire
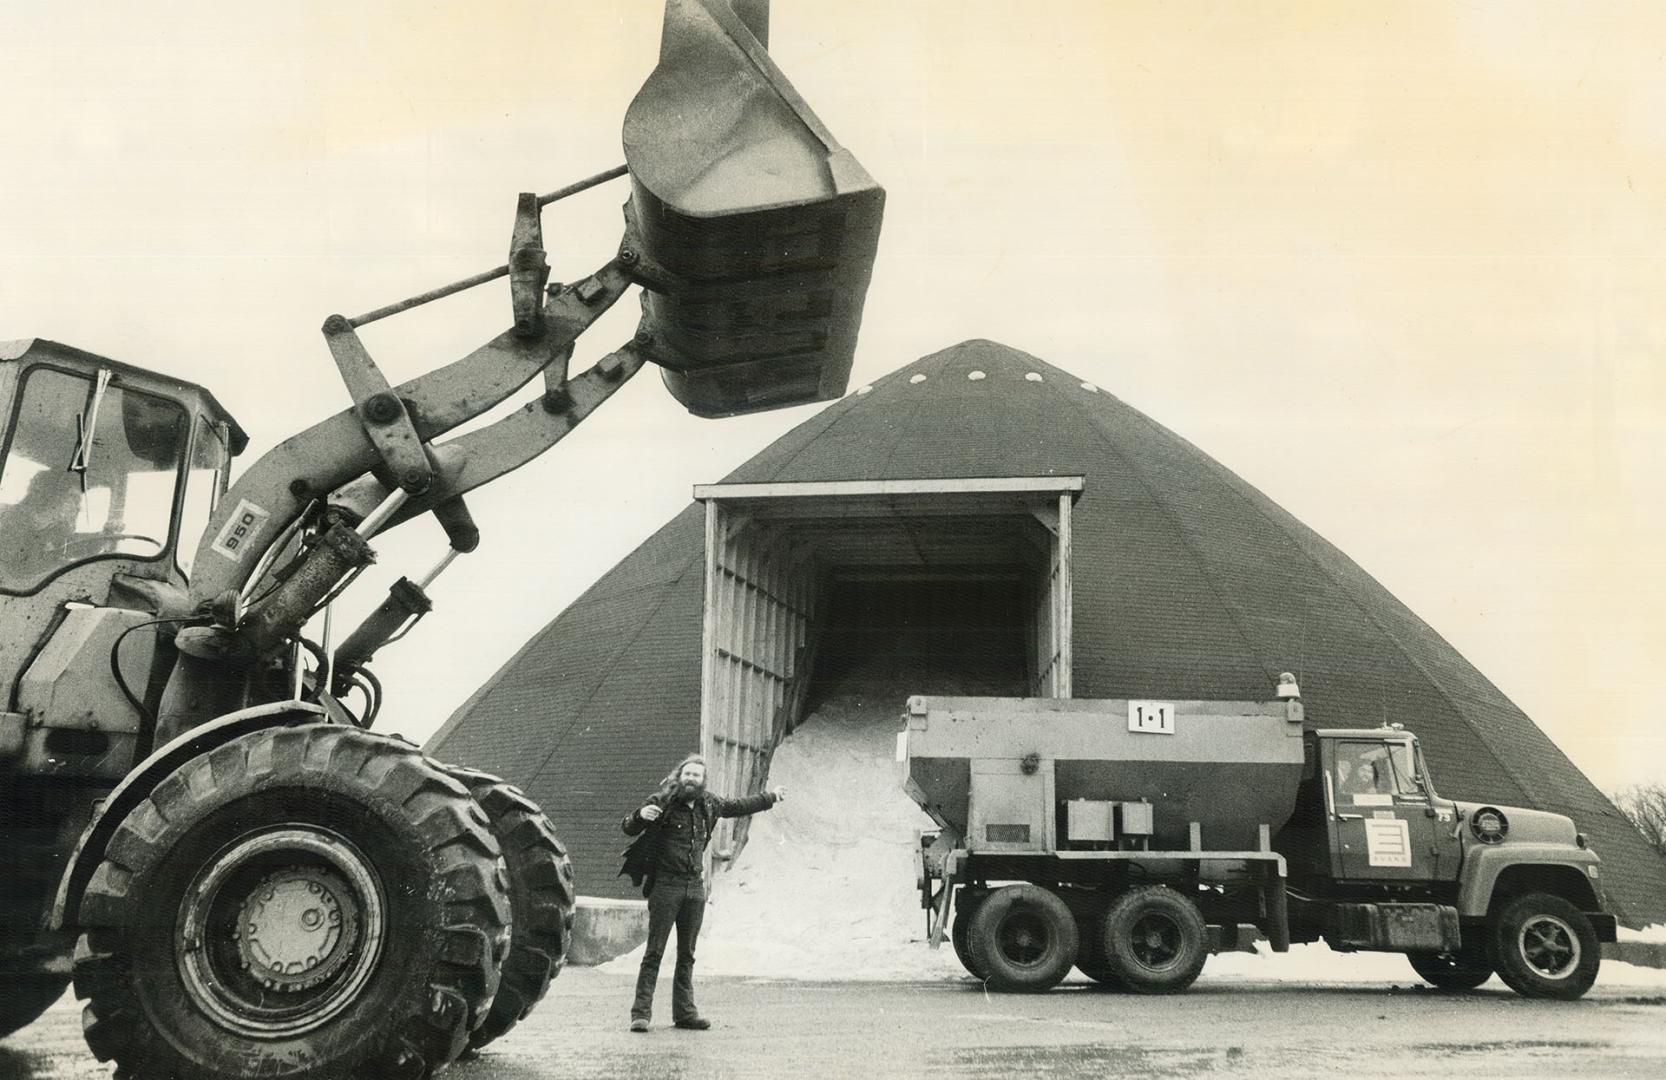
966	906
1089	909
1155	940
1463	969
1092	961
26	997
1544	947
1024	938
541	898
303	902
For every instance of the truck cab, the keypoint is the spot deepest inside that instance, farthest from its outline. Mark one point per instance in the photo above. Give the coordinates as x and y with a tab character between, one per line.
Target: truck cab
1384	824
1384	821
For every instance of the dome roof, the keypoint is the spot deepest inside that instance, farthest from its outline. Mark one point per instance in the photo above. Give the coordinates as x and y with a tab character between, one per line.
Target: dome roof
1189	583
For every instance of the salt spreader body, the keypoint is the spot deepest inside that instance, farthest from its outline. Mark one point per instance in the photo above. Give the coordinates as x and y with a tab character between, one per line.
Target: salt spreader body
1132	838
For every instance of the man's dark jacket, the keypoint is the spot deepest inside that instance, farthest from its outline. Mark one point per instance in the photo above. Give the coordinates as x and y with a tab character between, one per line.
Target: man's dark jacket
642	857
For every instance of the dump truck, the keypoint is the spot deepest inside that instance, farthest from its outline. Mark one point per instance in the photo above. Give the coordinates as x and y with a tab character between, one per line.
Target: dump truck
1131	839
198	826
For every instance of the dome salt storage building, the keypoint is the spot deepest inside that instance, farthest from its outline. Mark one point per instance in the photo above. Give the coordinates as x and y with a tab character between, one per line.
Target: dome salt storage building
982	522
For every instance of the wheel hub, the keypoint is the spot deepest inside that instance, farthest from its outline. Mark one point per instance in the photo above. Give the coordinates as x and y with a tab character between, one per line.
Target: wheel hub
1549	946
1155	940
291	929
1023	939
280	931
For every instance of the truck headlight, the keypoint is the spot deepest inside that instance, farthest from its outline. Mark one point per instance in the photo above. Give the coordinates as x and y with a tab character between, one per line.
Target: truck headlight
1489	825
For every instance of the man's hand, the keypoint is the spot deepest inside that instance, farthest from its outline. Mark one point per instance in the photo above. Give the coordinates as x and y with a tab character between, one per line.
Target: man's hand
649	813
780	793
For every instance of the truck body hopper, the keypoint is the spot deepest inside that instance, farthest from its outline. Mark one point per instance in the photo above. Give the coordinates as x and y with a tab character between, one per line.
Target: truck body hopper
996	771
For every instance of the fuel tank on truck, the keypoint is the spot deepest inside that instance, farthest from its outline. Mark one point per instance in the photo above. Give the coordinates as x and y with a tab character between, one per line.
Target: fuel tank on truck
1229	766
757	230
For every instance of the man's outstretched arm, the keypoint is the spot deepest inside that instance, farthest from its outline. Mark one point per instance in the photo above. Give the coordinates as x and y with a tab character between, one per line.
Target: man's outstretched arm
750	804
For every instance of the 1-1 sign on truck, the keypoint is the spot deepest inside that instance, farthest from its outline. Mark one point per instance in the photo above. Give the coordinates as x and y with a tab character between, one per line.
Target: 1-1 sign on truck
1131	839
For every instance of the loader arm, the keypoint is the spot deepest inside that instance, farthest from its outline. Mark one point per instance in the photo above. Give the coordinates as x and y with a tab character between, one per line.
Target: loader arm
752	234
309	465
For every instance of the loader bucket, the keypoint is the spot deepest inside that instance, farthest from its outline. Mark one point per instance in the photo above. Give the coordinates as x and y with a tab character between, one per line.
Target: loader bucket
757	230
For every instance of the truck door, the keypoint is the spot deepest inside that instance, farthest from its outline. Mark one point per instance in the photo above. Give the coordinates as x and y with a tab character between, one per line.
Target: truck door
1383	825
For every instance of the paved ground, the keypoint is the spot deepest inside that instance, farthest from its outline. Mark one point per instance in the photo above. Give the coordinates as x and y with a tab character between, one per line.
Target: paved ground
781	1029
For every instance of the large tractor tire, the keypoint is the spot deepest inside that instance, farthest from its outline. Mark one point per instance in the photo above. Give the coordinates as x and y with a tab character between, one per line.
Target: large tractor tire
1155	940
25	997
541	898
1024	938
299	903
1544	947
960	932
1463	969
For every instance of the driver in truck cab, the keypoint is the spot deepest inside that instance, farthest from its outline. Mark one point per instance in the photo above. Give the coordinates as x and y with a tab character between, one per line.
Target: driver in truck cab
1366	773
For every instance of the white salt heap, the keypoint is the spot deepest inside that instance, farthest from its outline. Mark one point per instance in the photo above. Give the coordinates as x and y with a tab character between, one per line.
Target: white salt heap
824	888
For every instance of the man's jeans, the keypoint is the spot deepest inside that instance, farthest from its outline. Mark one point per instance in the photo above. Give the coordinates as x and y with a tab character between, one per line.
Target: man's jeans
680	901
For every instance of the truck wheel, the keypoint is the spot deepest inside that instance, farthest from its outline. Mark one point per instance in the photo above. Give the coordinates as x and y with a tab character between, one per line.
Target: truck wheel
1024	937
960	932
1464	969
1544	947
26	997
1090	955
541	900
1092	961
1155	940
303	902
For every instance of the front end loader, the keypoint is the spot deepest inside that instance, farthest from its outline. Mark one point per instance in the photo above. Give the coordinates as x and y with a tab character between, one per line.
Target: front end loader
202	831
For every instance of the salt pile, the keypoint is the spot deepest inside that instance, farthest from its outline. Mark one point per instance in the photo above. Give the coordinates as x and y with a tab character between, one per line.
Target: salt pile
824	888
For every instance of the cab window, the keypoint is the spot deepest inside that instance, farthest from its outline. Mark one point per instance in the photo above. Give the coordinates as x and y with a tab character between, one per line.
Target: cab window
90	470
203	483
1373	769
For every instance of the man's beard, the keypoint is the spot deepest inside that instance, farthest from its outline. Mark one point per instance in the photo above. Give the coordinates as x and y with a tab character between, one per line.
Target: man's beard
689	788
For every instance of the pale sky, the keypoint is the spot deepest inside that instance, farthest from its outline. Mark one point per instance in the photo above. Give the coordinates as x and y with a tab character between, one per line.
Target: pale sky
1403	267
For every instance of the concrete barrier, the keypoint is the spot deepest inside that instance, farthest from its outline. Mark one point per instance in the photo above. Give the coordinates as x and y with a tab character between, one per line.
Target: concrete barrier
604	929
1642	953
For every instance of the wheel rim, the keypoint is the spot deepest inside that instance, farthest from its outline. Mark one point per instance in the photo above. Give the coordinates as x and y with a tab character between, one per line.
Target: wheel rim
280	930
1155	940
1549	946
1023	938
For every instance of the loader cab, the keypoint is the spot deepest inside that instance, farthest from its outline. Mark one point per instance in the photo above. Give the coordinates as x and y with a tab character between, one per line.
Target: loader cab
105	469
1384	821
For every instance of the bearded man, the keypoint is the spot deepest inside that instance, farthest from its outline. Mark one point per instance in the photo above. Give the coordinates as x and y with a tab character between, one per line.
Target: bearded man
674	826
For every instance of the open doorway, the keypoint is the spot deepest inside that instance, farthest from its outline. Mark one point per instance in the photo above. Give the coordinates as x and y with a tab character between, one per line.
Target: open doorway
901	587
828	605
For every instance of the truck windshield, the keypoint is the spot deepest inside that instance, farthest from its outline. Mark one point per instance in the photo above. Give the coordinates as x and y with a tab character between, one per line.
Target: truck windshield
90	470
1373	769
